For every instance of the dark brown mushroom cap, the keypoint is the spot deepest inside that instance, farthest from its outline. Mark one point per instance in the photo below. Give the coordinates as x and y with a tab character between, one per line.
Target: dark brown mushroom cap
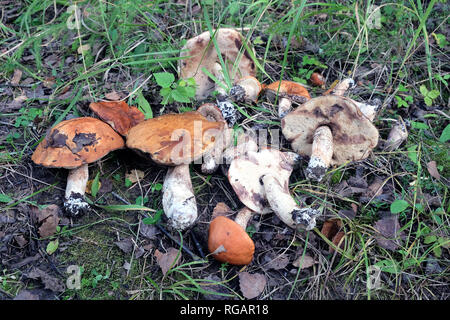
118	114
245	174
237	247
75	142
288	89
174	139
354	135
201	52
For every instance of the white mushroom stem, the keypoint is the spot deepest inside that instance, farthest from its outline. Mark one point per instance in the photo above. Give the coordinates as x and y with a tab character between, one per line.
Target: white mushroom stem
245	143
74	203
321	153
178	200
246	89
243	217
343	86
396	136
284	106
285	206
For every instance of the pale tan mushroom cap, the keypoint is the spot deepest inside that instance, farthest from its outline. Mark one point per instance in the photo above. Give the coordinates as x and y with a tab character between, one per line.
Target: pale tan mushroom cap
354	135
202	53
246	171
75	142
174	139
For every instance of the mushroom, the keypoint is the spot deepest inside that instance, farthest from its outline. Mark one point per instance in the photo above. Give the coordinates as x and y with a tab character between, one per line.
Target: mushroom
73	144
288	92
396	136
246	89
212	159
261	182
200	52
118	114
176	140
343	86
331	130
228	241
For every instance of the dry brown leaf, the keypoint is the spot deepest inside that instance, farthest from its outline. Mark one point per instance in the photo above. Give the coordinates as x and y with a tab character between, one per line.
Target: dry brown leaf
49	281
47	219
306	262
388	236
277	262
83	48
135	175
16	77
113	96
252	284
166	261
432	170
221	209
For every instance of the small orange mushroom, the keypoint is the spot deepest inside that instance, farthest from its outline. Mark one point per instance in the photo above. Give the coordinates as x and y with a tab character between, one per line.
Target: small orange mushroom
288	92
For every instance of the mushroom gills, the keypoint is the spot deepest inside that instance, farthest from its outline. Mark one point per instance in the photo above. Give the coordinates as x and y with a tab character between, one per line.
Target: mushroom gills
74	203
179	204
285	206
321	154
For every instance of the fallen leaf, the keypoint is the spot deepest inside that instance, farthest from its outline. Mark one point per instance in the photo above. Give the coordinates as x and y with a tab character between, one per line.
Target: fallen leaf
252	285
432	170
49	82
49	281
149	231
83	48
221	209
26	295
89	186
126	245
113	96
47	219
305	261
276	262
16	77
388	235
135	175
331	229
52	246
21	241
166	261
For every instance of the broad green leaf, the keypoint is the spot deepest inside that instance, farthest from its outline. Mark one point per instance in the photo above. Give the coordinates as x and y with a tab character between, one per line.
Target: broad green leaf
419	125
179	95
399	206
389	266
95	185
52	246
423	90
433	94
5	198
445	135
154	219
430	239
144	106
164	79
412	153
401	102
428	101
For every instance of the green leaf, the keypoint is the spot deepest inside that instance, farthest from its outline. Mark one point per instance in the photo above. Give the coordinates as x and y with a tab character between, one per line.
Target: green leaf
429	239
423	90
412	153
428	101
419	125
437	251
157	187
95	185
399	206
433	94
179	95
154	219
52	246
5	198
128	182
164	79
445	135
144	106
401	102
388	266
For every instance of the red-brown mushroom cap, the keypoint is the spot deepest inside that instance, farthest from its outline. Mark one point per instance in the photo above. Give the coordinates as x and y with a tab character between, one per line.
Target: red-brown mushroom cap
75	142
237	247
288	89
202	53
173	139
354	135
118	114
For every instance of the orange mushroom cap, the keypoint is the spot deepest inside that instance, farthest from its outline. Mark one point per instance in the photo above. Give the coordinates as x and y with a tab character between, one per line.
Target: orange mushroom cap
118	114
238	247
287	89
75	142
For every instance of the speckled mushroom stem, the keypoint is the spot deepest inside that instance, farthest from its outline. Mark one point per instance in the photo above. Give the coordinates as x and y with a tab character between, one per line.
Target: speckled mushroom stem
285	206
321	153
246	89
396	136
179	204
284	106
77	179
243	217
225	105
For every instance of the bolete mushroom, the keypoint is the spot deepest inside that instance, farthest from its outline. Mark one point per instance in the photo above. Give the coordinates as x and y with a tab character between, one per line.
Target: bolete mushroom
73	144
397	135
246	89
200	52
288	92
228	241
176	140
261	182
118	114
331	130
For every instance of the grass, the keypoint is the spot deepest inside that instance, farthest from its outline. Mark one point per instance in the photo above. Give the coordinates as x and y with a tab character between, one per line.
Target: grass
119	47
